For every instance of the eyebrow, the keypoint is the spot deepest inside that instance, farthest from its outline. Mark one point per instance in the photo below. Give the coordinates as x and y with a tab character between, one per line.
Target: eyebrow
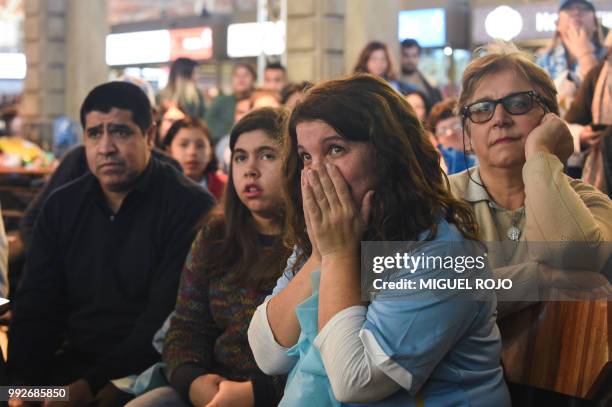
111	127
94	129
326	139
492	99
257	150
116	127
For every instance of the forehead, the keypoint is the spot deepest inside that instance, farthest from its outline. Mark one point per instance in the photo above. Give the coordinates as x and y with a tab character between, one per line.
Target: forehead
410	50
174	113
115	115
576	6
498	84
415	98
252	140
241	71
313	132
274	72
190	132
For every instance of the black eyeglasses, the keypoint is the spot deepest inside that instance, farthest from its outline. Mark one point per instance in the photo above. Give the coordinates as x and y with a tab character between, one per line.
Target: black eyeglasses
515	104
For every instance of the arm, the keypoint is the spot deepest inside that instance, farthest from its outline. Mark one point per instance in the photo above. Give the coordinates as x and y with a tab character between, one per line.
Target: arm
281	308
135	352
580	47
580	110
551	195
337	226
189	344
270	356
39	313
72	167
369	354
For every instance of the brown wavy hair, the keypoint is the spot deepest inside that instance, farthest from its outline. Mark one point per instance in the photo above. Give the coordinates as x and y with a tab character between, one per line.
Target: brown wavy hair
362	62
412	192
231	240
500	56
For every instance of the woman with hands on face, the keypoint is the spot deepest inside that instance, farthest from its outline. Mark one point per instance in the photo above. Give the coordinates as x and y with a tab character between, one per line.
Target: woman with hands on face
233	264
359	167
575	49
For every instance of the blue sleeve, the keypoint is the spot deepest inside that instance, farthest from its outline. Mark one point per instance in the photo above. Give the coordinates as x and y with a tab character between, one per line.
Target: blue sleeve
413	331
417	335
287	275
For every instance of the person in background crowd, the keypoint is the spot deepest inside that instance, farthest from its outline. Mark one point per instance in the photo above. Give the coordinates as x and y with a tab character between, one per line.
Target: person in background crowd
447	130
222	150
233	264
592	110
275	77
168	115
103	268
182	89
144	85
357	160
259	98
293	93
220	115
419	102
264	98
410	54
575	49
188	142
376	60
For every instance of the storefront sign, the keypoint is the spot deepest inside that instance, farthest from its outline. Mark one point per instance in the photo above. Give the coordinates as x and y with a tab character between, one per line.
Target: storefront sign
157	46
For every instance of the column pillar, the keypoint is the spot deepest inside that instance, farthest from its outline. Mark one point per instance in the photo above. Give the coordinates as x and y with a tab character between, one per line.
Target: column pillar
315	39
65	53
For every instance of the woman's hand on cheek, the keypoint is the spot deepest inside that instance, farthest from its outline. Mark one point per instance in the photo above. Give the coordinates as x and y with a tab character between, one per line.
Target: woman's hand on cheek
337	225
315	255
550	136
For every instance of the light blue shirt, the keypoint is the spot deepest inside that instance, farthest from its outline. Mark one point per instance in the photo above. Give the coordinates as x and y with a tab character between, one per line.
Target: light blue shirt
451	348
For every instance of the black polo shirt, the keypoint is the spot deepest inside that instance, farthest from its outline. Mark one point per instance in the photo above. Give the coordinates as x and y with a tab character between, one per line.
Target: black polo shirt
107	281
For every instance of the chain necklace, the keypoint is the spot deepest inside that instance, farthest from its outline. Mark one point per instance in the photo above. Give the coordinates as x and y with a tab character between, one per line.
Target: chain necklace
513	232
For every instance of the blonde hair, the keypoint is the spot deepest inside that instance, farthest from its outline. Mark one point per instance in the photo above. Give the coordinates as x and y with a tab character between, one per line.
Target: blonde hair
501	56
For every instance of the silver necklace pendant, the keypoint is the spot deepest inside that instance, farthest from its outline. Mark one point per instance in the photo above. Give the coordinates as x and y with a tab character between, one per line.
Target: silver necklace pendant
513	233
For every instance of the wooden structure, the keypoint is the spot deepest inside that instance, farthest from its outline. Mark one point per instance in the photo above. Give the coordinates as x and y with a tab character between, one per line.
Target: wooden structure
561	346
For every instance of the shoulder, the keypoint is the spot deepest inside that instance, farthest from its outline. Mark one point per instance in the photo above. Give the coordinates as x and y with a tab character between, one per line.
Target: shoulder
74	188
223	100
177	187
68	197
588	193
447	232
459	183
161	155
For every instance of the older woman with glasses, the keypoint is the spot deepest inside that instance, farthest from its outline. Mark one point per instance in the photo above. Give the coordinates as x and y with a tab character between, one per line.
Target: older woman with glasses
521	198
519	192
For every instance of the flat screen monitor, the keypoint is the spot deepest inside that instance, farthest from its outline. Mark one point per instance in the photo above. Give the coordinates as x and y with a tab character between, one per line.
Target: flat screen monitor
427	26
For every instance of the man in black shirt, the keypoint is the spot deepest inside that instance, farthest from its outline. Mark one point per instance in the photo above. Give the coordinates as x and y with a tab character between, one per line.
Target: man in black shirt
103	270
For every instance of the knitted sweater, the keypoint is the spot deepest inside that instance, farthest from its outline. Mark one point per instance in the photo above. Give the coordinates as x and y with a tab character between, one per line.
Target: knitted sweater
208	333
